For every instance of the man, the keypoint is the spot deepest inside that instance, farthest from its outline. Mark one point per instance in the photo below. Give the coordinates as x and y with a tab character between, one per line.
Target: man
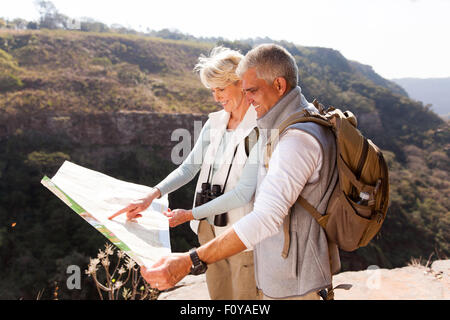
302	162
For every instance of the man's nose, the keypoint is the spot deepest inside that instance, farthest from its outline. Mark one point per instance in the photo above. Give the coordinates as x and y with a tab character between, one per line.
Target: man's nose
249	98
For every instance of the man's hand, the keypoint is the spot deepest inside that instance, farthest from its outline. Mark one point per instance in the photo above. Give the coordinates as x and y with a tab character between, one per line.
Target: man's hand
168	271
178	216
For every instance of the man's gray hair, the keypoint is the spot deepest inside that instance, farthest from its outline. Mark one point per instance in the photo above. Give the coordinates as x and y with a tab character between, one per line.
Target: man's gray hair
270	61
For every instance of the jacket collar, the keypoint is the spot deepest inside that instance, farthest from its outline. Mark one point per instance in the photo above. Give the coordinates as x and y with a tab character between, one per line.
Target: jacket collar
292	102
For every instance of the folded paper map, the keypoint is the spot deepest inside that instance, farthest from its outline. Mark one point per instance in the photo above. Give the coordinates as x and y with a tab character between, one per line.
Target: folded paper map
96	196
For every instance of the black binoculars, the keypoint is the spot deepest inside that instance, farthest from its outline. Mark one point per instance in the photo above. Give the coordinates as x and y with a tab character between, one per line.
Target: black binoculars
207	194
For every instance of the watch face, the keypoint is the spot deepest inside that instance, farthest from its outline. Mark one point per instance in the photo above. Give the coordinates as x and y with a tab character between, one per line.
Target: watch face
199	269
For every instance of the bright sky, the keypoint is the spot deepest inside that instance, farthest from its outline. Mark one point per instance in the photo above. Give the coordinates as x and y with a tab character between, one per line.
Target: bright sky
398	38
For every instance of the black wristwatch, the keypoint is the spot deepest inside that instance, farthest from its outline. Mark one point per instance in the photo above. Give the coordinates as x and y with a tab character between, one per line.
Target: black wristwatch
198	266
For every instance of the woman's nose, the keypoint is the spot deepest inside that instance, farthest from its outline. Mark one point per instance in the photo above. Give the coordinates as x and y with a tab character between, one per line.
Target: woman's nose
217	97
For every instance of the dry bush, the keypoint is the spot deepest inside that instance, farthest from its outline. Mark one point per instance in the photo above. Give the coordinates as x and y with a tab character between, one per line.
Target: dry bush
121	282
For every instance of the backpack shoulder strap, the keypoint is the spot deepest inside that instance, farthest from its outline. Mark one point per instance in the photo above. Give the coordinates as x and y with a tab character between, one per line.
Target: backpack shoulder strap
304	116
251	140
298	117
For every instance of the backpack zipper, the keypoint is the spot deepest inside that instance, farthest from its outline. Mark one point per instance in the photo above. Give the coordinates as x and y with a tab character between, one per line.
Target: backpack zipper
362	159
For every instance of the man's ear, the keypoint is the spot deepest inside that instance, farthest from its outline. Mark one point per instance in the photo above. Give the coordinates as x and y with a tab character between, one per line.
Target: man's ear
281	86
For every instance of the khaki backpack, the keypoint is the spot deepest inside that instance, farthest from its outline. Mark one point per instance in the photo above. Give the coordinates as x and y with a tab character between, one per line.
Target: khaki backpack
362	171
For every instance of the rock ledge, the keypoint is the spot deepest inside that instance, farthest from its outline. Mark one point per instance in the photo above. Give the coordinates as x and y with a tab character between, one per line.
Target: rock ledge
414	282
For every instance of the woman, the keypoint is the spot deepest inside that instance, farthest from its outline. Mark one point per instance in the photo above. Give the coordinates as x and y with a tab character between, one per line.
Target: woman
226	157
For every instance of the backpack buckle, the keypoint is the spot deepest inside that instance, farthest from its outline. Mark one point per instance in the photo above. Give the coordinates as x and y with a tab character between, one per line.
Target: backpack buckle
323	294
379	216
326	294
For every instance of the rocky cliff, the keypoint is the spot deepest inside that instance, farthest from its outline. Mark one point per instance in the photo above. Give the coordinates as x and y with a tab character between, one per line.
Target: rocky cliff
118	129
414	282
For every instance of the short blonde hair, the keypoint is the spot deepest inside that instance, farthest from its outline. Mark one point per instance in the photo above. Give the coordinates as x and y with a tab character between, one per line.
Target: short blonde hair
218	70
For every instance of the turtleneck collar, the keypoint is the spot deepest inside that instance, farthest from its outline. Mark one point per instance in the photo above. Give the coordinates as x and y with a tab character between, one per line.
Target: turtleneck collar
292	102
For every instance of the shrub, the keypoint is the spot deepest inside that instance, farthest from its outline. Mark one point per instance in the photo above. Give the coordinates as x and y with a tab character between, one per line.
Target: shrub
9	82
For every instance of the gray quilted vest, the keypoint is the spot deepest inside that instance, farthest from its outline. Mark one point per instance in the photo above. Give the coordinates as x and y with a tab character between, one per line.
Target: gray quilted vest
306	266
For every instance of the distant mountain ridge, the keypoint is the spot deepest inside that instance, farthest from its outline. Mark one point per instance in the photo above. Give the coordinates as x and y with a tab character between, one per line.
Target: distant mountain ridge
368	72
434	91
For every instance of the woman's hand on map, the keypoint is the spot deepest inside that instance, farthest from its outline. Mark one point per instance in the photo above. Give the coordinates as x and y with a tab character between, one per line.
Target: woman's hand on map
178	216
136	206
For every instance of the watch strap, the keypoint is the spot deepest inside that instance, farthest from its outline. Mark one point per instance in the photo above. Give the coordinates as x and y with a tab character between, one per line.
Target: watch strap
194	257
198	266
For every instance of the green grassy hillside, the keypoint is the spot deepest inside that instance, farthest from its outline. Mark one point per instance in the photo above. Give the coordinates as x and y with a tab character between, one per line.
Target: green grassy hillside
64	71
